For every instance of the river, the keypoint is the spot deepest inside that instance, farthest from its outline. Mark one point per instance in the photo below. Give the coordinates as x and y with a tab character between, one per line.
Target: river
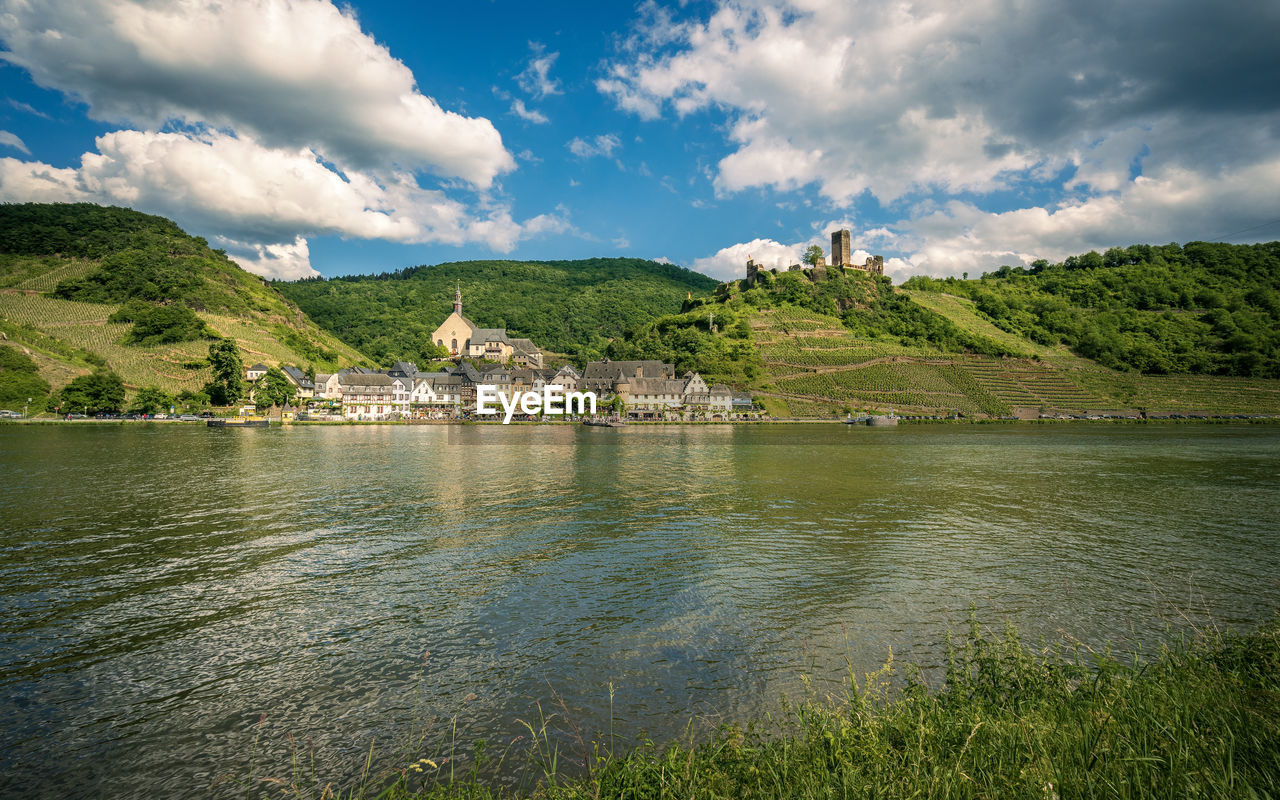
179	600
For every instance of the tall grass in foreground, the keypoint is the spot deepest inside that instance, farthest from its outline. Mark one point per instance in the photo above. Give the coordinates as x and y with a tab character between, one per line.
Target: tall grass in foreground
1198	719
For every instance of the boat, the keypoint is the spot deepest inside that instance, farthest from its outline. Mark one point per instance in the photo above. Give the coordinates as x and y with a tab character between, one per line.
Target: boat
239	422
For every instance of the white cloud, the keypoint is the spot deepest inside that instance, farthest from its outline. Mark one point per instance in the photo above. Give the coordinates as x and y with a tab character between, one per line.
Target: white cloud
283	261
287	73
27	108
536	78
622	243
942	104
730	262
661	260
602	145
264	198
1173	204
8	139
527	114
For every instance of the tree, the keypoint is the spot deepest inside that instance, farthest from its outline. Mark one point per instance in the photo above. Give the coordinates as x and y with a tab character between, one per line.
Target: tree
149	399
226	387
102	390
814	255
272	389
153	324
19	380
432	352
192	401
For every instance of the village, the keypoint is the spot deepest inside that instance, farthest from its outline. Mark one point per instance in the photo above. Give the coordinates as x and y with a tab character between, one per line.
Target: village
637	390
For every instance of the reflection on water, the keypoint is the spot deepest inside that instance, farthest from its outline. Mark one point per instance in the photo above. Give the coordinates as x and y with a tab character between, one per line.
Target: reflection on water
165	586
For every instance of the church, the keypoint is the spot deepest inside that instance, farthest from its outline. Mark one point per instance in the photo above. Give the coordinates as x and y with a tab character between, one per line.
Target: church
463	339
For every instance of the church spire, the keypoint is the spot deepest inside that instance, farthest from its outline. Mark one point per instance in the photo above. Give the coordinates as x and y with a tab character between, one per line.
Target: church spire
457	300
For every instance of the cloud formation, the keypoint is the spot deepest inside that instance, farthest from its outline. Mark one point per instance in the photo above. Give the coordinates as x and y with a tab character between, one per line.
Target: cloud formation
602	145
1174	204
933	101
536	78
286	72
528	114
730	262
262	199
8	139
265	122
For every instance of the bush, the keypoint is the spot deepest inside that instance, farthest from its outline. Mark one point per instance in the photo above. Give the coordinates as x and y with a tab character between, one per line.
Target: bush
20	380
102	390
164	324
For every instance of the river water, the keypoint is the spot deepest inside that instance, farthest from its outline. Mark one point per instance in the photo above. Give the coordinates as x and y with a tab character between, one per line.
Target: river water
178	601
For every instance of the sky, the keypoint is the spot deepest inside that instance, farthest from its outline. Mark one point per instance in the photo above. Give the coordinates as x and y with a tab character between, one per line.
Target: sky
310	138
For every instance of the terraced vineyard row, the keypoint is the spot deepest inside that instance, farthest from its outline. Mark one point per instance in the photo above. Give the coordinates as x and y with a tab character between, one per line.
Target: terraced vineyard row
1190	393
786	353
1023	383
797	319
932	388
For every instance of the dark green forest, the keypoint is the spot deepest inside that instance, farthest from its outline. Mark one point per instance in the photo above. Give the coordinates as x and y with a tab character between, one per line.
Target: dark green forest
571	307
1202	308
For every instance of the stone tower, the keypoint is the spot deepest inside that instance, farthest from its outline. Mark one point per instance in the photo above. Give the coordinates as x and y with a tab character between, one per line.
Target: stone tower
753	271
840	250
457	300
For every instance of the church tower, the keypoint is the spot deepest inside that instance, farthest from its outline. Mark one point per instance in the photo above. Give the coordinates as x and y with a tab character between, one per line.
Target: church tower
457	300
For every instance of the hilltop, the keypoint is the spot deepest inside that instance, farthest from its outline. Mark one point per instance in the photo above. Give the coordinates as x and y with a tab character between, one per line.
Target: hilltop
569	307
1191	330
76	278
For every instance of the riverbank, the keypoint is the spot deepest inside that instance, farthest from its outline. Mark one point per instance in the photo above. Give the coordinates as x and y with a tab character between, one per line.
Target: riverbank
1224	419
1200	718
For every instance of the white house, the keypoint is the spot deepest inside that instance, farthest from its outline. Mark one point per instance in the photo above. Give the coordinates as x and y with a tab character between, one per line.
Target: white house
373	396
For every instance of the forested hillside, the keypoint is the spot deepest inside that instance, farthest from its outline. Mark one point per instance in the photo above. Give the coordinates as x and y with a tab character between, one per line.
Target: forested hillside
572	307
86	288
1135	330
1202	308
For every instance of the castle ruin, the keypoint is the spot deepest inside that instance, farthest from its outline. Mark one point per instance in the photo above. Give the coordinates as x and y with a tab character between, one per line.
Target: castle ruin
841	257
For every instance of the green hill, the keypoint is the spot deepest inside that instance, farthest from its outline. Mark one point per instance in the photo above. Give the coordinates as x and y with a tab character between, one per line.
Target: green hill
571	307
850	342
70	274
1201	308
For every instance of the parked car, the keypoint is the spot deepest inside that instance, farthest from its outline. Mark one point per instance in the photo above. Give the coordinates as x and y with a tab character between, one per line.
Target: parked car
7	414
189	418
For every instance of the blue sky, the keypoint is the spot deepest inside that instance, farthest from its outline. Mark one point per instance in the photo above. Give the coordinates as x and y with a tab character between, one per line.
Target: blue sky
305	137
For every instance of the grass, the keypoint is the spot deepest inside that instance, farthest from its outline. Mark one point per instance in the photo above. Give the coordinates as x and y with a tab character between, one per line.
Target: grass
61	333
1200	717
